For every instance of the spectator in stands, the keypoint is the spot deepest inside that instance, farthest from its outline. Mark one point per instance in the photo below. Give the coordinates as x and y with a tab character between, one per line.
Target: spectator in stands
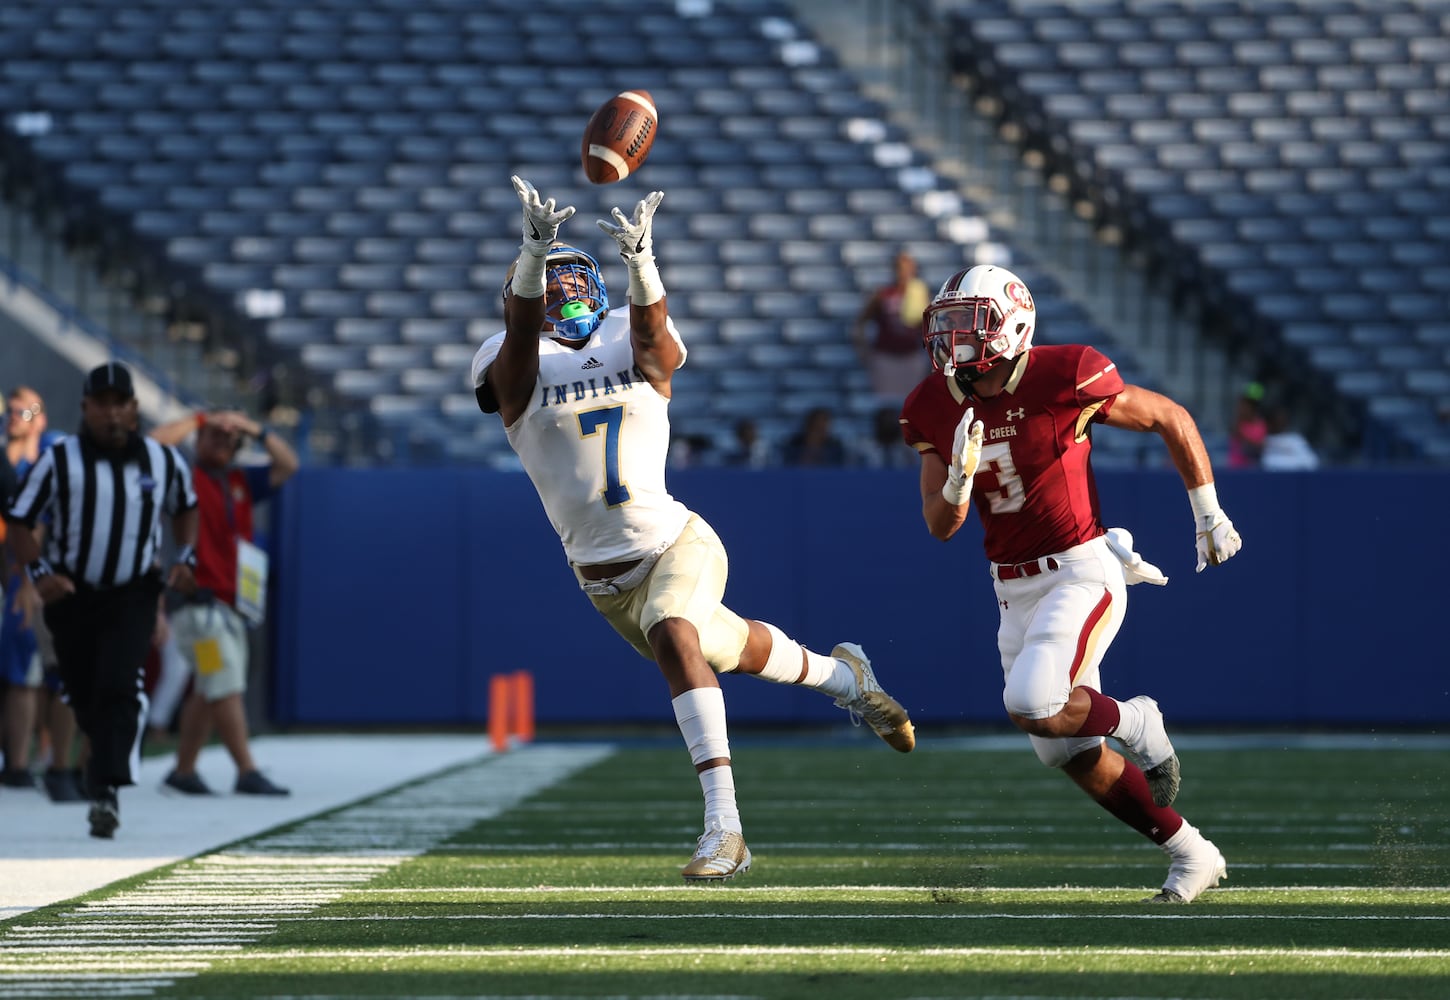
814	443
210	628
1285	449
887	332
1006	427
751	450
1246	437
884	449
27	655
690	450
654	569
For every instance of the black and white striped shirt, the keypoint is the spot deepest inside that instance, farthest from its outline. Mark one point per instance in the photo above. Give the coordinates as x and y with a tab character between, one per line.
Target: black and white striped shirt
105	507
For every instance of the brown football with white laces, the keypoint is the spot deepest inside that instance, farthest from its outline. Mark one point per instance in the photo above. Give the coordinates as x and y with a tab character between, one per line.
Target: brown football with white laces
619	136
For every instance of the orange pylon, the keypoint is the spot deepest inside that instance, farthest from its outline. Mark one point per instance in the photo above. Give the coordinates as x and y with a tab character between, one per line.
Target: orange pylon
510	709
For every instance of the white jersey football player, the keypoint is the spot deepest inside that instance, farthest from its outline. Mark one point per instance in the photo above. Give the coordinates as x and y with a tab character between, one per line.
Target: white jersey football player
584	398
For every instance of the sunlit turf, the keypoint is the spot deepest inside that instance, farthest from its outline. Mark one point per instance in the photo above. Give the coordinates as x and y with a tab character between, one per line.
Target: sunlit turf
951	872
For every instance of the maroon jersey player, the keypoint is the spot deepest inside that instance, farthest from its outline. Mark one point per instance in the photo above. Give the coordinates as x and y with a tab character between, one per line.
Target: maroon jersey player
1007	428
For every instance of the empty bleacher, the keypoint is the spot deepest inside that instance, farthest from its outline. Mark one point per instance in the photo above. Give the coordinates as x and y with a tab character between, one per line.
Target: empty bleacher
1287	158
346	165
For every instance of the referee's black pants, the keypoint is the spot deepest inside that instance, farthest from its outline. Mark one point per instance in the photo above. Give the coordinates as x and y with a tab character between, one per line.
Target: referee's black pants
101	640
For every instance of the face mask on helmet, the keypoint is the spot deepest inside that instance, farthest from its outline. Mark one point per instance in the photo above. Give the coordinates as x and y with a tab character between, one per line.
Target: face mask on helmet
575	299
980	318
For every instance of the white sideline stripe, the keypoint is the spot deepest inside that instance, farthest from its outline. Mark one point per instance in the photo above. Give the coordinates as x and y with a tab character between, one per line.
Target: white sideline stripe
1155	916
418	815
1075	953
50	857
693	892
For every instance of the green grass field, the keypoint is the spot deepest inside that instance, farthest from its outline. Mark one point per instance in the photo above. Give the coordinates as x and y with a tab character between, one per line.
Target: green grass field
962	870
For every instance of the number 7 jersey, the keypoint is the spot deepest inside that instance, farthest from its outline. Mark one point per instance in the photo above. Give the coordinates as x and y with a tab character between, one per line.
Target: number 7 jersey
594	440
1034	489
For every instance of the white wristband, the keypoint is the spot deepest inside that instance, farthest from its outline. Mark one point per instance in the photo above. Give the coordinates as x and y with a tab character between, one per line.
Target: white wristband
1204	500
645	286
528	279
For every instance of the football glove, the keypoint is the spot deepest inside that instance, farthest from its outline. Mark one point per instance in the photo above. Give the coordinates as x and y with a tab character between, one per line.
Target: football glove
637	246
1217	539
634	235
966	454
541	220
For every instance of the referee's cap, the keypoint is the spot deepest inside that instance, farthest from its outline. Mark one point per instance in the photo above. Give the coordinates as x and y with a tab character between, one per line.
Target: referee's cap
112	377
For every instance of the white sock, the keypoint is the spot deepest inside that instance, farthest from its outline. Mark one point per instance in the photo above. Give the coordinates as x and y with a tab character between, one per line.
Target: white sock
825	674
829	676
1131	720
1179	844
718	783
700	714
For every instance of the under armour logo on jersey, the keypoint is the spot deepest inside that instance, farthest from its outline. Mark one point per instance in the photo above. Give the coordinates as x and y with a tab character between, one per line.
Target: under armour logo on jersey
1017	414
593	362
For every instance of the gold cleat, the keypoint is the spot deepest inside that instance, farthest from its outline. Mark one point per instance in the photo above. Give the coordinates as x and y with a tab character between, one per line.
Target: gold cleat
720	854
882	712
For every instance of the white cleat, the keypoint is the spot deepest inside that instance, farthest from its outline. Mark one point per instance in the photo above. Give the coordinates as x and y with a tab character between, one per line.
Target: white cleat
1153	753
1203	867
720	854
882	712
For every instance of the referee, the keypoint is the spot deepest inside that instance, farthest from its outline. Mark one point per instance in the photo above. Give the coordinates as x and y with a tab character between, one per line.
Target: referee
105	489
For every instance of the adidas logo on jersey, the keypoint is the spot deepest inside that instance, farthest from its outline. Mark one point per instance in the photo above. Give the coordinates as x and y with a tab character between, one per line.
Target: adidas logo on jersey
592	363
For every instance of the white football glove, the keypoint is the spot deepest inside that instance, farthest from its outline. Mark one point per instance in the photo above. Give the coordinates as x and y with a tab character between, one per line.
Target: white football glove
1217	539
634	235
541	220
966	454
1136	569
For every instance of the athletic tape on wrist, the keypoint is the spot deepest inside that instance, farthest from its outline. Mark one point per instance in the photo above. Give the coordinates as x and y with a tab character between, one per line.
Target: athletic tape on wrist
528	280
1204	500
645	286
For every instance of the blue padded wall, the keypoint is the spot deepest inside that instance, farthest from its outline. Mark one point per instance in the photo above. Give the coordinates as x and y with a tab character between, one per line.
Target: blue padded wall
399	593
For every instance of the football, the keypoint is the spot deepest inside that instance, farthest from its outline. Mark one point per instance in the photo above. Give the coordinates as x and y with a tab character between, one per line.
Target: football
619	136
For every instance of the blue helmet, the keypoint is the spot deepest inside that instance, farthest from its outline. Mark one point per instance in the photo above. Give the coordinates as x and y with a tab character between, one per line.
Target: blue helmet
575	299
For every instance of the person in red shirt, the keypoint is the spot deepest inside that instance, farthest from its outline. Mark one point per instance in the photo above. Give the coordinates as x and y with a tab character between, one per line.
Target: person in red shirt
1007	428
887	332
210	631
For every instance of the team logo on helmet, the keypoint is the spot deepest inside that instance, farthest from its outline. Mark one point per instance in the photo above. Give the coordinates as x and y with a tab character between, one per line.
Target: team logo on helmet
1018	293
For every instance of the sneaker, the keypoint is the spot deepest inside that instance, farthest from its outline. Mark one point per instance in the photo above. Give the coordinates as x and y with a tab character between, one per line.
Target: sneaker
61	786
186	784
1201	868
256	783
882	712
18	778
105	814
1153	753
720	854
